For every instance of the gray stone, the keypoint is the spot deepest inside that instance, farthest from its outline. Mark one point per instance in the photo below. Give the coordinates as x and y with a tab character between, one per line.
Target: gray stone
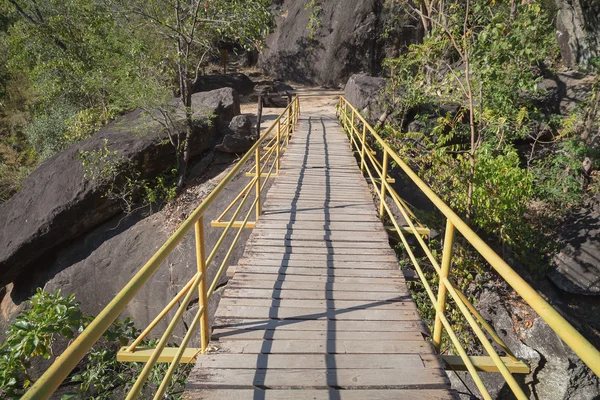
576	266
57	203
238	81
556	372
578	30
364	92
240	138
348	40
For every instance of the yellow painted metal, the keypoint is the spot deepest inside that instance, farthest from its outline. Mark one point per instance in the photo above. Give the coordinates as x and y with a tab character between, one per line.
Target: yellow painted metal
166	381
236	224
162	343
420	230
581	346
202	286
142	354
161	315
363	148
441	297
383	184
277	143
485	364
242	194
258	176
59	370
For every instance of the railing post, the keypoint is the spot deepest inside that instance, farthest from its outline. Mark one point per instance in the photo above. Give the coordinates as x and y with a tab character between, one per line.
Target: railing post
278	145
362	151
289	118
202	287
383	182
442	290
258	173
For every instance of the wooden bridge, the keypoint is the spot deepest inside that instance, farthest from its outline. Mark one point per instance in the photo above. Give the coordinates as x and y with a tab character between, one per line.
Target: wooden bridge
317	307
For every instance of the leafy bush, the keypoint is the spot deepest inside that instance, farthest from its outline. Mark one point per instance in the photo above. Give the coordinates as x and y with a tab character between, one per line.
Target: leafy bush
50	317
46	130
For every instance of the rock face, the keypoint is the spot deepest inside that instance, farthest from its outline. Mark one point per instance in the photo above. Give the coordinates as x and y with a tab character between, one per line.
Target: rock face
347	39
578	30
57	203
238	81
240	138
556	372
576	266
364	93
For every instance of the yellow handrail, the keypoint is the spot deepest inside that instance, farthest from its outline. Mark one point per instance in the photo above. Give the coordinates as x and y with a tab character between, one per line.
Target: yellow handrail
68	360
351	120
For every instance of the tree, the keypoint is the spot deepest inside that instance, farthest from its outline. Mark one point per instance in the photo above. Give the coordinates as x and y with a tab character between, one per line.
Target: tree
191	31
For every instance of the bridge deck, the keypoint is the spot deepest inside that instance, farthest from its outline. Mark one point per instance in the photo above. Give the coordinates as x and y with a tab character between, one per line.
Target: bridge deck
317	304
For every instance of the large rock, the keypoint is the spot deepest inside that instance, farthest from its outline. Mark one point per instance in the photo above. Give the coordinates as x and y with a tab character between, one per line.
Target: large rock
238	81
240	138
556	372
57	203
347	40
576	266
578	30
364	93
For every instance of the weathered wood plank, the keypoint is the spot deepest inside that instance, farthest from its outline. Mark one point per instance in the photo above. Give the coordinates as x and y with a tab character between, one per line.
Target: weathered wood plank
353	314
323	279
333	272
281	334
258	293
310	361
400	378
327	304
321	264
304	394
319	286
319	325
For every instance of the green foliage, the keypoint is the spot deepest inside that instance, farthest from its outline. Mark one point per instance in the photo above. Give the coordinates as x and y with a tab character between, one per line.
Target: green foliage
123	182
558	178
46	130
33	333
314	19
50	318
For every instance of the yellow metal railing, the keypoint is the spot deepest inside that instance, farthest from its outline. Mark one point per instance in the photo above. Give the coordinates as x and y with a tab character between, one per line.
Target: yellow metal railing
361	134
265	154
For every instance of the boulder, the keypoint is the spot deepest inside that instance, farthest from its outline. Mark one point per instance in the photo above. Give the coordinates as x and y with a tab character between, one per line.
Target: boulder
556	372
578	30
364	93
57	203
347	40
240	138
238	81
576	267
223	104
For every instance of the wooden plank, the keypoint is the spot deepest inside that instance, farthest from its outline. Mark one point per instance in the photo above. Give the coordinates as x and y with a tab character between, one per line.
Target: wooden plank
310	361
322	216
324	259
315	294
365	314
272	334
320	286
325	394
334	272
323	347
400	378
323	279
327	304
319	325
317	225
255	240
261	248
294	262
